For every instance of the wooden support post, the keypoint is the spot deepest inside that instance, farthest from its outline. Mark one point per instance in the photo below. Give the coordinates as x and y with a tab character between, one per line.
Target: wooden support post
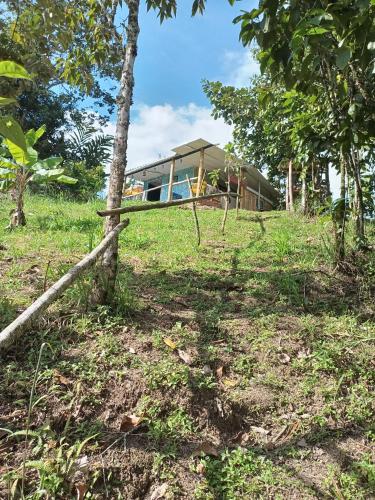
200	173
259	196
171	175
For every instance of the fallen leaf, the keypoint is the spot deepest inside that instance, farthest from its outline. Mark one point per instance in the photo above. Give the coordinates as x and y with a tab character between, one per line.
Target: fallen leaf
260	430
186	358
220	371
230	382
33	269
169	342
302	443
131	350
201	469
284	358
129	422
81	489
61	378
159	492
241	438
206	448
318	451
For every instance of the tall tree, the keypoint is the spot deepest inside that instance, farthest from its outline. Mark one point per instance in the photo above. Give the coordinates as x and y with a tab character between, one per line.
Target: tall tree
166	9
329	45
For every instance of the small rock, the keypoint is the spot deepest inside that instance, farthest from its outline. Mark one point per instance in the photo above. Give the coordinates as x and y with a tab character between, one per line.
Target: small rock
302	443
206	370
159	492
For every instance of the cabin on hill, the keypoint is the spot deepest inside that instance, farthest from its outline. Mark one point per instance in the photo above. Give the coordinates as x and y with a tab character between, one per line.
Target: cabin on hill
198	168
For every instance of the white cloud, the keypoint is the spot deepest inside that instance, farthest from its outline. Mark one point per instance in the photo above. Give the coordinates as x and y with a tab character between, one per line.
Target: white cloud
157	129
239	66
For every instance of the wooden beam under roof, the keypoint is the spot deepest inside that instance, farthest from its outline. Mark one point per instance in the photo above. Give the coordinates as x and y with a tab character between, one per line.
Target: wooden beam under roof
167	160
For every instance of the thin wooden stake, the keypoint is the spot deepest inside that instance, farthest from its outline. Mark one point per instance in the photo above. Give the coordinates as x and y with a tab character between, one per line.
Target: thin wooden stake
239	179
20	324
226	206
194	210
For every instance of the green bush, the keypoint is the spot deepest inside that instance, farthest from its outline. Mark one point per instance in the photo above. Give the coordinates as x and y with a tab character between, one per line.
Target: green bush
89	182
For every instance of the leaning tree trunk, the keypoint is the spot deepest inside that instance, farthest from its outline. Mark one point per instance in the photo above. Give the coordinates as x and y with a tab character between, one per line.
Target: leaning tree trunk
107	271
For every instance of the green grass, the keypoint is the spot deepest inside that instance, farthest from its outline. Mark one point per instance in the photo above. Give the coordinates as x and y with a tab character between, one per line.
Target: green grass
278	341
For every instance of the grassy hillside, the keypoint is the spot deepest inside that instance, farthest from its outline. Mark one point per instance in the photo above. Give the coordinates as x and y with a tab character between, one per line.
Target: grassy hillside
240	369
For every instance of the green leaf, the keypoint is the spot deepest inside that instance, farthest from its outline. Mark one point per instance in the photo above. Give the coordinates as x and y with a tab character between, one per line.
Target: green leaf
316	31
6	174
49	163
33	135
352	110
11	69
32	156
42	175
6	184
65	179
6	163
4	101
11	130
343	55
19	155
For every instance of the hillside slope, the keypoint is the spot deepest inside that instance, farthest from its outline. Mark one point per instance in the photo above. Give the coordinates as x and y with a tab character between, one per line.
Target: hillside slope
240	369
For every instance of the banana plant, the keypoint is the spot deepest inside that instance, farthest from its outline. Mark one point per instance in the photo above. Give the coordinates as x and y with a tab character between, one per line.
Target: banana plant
20	165
10	69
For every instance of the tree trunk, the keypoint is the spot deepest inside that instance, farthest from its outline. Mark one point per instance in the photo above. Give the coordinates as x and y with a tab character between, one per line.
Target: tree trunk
107	271
359	209
287	191
304	194
339	215
17	216
328	183
291	186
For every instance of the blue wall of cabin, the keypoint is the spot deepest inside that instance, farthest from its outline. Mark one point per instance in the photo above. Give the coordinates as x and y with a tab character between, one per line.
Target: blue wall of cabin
179	192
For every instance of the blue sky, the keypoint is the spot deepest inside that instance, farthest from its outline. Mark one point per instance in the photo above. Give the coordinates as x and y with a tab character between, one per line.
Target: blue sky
169	105
174	57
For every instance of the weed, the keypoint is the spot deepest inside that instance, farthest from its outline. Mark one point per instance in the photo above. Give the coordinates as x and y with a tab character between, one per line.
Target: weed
166	374
244	365
241	473
175	426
